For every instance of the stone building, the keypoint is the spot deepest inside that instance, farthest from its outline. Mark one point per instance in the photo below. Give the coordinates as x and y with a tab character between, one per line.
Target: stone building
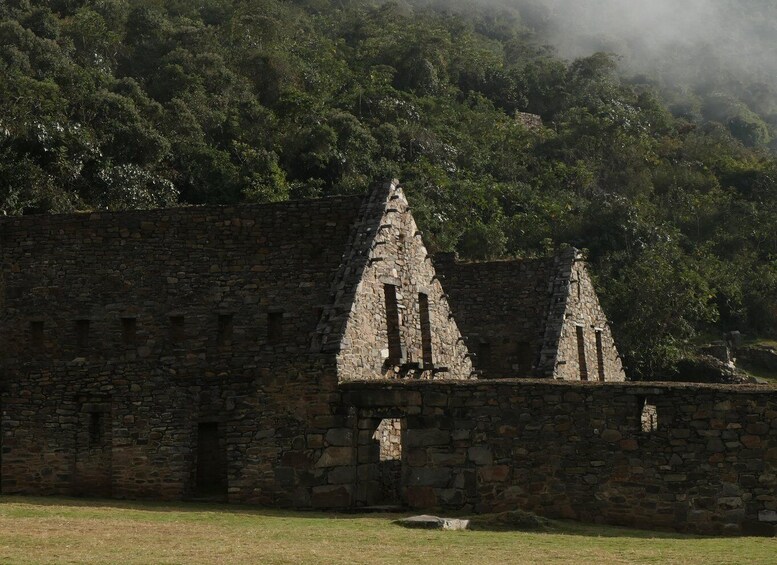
305	354
194	351
531	318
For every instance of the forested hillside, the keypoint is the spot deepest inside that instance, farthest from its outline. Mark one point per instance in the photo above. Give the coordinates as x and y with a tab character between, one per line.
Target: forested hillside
141	103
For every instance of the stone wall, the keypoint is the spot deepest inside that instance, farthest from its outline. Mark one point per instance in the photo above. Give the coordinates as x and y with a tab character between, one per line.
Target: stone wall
128	341
185	284
521	317
275	425
501	308
393	255
694	458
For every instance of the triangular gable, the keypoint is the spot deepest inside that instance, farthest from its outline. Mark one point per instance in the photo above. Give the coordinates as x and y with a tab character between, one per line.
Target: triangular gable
584	346
389	316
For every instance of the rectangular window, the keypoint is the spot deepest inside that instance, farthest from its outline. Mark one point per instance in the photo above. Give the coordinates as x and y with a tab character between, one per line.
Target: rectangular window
483	356
95	429
600	354
581	354
224	337
36	333
426	330
274	327
392	323
82	335
524	354
177	329
129	331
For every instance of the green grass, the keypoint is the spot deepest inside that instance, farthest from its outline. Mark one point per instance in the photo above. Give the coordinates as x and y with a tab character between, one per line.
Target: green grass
49	530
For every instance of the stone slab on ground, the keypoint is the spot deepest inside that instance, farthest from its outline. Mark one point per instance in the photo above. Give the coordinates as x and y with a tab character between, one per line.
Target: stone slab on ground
428	522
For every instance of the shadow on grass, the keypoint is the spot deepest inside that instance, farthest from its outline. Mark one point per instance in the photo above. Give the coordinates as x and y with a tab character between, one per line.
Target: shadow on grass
526	522
184	506
514	522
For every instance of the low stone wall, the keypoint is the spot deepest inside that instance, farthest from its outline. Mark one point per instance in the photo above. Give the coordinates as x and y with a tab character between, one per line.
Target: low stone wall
694	458
132	430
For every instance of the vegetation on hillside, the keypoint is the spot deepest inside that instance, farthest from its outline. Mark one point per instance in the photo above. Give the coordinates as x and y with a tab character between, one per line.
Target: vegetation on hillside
121	104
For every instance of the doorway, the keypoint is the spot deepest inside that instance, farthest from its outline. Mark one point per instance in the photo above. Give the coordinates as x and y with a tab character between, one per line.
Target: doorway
211	476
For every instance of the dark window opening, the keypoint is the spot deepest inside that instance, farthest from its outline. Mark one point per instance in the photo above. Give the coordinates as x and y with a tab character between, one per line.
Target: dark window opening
82	335
129	331
392	323
36	333
177	329
224	336
95	429
525	356
274	327
581	354
483	355
600	354
426	330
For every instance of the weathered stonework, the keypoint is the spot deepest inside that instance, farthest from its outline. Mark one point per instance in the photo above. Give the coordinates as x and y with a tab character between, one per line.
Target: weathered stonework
389	252
197	351
531	317
704	462
305	354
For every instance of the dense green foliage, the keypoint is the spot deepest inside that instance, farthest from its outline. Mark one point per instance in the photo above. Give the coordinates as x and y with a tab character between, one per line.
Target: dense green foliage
129	104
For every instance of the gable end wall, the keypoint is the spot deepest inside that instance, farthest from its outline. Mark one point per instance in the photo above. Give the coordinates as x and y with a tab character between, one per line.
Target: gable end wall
392	253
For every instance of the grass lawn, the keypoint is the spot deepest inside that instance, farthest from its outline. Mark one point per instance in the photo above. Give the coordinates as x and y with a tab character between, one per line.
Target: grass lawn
49	530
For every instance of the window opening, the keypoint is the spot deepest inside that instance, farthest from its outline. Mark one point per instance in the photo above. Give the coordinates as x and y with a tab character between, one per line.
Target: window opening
82	335
426	330
95	429
36	333
224	336
392	323
129	330
274	327
177	329
525	357
600	354
581	354
483	355
649	417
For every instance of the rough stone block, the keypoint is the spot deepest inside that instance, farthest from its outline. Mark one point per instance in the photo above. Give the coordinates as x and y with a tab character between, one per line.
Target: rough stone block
480	455
336	457
339	437
426	438
433	477
336	496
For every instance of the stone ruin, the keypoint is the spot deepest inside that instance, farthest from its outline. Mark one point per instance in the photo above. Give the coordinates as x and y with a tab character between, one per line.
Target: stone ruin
312	355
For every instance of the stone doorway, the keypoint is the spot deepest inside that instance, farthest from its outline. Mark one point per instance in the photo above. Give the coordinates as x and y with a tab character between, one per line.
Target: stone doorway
211	471
388	435
381	462
93	456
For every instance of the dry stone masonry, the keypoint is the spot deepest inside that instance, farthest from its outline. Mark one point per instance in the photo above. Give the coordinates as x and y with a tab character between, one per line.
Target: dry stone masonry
531	318
310	355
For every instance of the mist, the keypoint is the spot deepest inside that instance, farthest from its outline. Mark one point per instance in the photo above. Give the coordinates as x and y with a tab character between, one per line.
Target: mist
683	41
